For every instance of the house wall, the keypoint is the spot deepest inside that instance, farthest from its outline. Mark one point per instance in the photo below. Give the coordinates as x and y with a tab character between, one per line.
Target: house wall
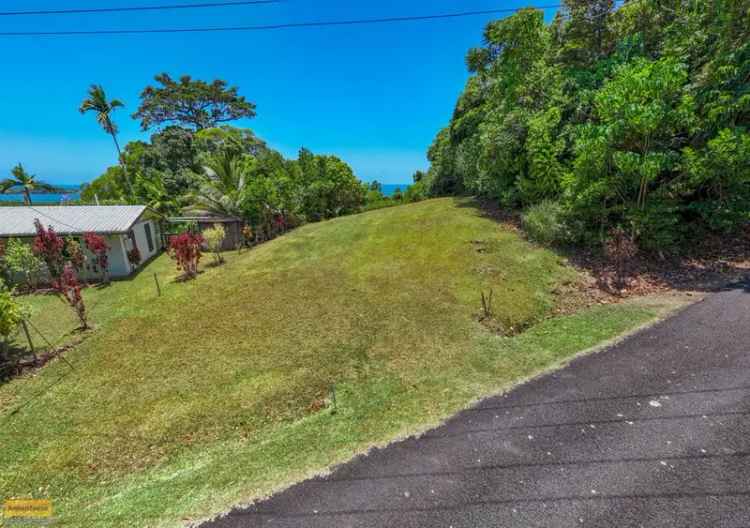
118	261
139	233
118	258
119	266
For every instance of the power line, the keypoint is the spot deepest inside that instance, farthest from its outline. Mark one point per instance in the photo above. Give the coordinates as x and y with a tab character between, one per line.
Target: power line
137	8
291	25
48	217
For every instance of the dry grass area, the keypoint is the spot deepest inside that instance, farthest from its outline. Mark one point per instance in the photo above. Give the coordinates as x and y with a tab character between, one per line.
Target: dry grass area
219	390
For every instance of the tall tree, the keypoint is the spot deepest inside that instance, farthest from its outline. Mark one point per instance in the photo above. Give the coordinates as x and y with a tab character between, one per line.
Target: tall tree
97	102
192	103
28	183
588	37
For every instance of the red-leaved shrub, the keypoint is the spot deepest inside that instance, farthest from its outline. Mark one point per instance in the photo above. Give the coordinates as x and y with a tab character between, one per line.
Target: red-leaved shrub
49	247
134	256
69	288
185	249
99	247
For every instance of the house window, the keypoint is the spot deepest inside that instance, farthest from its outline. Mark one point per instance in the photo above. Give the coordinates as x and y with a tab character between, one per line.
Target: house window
149	240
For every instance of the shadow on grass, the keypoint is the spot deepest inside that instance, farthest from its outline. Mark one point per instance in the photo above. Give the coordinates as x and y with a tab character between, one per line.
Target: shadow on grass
11	358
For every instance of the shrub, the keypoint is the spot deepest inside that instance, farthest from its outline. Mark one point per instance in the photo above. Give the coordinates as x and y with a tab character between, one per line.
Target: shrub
134	256
12	313
416	192
69	289
20	259
214	238
99	247
544	223
49	247
185	249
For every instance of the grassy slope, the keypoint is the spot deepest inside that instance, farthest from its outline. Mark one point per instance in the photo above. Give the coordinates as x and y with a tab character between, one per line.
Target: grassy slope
182	405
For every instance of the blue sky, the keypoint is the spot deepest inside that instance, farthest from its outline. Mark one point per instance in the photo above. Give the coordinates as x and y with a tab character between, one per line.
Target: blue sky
374	95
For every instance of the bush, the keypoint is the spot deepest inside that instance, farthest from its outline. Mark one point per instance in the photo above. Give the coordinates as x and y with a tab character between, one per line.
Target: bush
12	313
19	259
214	240
69	289
134	256
544	223
185	249
416	192
99	247
49	247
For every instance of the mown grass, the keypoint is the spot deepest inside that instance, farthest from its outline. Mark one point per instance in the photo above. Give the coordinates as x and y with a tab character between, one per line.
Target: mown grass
182	405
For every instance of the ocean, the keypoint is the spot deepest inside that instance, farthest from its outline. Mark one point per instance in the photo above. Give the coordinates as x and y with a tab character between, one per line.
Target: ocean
390	188
72	192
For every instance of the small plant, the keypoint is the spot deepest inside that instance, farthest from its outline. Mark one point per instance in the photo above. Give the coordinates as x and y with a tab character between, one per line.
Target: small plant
20	259
134	256
214	238
185	249
69	289
544	223
620	248
97	245
49	247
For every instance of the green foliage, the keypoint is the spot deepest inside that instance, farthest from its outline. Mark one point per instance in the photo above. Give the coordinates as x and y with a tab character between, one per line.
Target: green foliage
544	223
634	116
229	171
331	189
12	312
19	259
97	103
191	103
214	238
223	188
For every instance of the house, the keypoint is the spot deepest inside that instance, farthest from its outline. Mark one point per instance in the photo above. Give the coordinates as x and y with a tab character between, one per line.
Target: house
199	221
123	226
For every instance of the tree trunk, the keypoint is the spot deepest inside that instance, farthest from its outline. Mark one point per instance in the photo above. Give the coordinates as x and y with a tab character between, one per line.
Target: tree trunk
122	162
27	196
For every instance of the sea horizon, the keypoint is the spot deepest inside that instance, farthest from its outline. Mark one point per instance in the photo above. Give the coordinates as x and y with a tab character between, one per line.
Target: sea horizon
73	194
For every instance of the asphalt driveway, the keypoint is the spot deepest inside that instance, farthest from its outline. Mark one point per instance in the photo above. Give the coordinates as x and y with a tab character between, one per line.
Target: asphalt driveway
652	432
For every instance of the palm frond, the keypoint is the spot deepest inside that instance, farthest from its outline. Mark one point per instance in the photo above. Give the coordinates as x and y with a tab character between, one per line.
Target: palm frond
6	185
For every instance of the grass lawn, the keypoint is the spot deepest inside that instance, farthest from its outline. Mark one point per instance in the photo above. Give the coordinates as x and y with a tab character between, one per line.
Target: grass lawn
216	392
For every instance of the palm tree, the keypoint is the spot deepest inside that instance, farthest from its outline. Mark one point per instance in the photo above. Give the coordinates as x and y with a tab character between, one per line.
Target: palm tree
224	186
97	102
26	182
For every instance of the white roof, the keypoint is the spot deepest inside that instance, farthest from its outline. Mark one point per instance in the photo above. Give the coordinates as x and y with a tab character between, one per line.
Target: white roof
69	219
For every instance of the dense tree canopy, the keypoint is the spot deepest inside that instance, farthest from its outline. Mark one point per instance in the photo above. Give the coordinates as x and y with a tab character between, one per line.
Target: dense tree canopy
230	171
195	164
191	103
633	117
